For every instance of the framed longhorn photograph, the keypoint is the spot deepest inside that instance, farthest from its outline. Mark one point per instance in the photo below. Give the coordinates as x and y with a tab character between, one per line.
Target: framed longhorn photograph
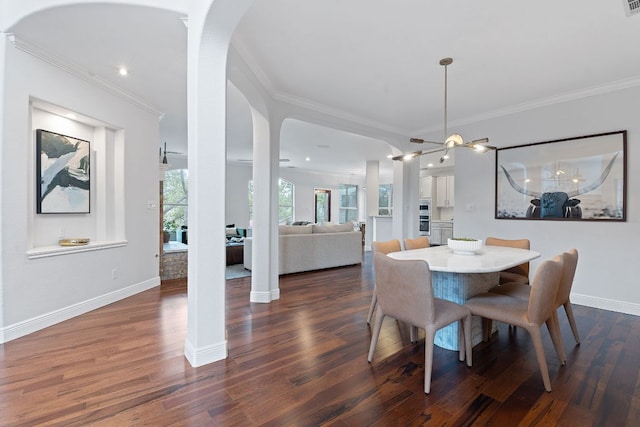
63	176
573	179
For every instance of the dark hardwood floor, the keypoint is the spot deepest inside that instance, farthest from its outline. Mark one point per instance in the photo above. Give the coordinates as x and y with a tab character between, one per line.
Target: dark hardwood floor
302	360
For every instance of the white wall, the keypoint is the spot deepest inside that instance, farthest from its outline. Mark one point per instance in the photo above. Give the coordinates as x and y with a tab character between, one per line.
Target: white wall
237	199
605	277
40	292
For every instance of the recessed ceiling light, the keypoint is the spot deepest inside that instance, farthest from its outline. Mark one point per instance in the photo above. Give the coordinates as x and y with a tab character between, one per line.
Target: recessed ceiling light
307	159
123	71
430	165
389	156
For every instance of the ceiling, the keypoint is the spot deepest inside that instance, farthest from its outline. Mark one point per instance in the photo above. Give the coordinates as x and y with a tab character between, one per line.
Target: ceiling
369	63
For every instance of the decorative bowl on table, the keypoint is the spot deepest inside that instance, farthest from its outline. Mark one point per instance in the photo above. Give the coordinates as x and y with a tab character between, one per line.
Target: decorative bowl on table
464	246
78	241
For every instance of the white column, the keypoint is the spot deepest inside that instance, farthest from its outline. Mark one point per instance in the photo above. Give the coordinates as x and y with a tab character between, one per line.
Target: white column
266	153
211	23
3	64
406	182
371	199
373	182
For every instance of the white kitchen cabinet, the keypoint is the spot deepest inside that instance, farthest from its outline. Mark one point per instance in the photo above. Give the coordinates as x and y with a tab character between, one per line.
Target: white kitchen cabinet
436	233
444	191
441	231
447	233
426	187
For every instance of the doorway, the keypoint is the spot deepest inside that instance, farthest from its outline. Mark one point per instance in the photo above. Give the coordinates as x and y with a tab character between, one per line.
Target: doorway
323	206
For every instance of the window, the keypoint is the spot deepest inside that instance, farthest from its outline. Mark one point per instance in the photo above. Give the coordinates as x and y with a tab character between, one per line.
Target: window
385	199
175	200
285	204
348	203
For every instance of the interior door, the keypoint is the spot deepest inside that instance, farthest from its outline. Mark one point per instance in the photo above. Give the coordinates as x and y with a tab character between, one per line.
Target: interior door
323	206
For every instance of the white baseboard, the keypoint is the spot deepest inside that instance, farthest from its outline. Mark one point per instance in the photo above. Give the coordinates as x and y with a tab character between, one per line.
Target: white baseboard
202	356
29	326
606	304
261	297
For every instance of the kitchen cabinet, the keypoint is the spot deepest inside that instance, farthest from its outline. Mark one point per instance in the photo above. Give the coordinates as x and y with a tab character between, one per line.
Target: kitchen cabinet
441	231
426	187
447	233
444	191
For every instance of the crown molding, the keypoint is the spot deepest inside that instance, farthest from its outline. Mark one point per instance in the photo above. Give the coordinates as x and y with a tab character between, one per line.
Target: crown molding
81	73
337	113
296	101
250	64
263	80
562	98
544	102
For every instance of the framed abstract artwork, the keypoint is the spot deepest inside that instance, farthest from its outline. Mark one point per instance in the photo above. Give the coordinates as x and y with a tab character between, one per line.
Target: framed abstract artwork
573	179
63	174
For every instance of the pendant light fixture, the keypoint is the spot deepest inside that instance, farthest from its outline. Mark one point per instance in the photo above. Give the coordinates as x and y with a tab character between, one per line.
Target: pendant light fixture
451	141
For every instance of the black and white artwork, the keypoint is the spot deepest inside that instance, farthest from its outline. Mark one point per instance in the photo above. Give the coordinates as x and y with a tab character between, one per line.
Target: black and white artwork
582	178
62	167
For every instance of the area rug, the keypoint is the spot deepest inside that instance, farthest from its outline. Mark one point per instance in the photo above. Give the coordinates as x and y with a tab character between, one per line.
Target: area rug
236	270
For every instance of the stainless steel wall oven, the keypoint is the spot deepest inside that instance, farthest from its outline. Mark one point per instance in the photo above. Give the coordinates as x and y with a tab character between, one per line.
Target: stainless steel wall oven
425	217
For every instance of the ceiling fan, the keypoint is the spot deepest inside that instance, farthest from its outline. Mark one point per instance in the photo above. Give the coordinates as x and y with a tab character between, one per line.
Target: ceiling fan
451	141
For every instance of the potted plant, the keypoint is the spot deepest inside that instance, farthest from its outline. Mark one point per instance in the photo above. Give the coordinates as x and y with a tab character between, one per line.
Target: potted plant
169	227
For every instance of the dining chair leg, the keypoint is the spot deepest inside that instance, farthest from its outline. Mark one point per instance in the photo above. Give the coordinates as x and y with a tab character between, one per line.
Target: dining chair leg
374	300
429	337
553	325
376	333
404	327
467	339
461	341
413	333
572	321
487	325
536	337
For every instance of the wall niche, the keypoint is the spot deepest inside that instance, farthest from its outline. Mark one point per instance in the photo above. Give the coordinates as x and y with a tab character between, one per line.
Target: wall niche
104	224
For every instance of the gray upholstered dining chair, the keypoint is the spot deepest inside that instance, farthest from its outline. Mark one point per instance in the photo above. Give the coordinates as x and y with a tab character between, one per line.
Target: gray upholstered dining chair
528	314
406	294
563	298
417	243
519	273
384	248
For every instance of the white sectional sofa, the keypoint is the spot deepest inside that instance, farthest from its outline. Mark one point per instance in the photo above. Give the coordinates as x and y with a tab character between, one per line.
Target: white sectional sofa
313	247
